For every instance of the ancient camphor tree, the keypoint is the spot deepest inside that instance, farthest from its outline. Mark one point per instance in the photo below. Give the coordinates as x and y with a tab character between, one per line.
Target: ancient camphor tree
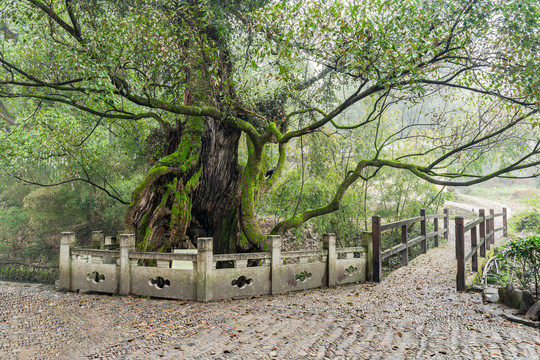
218	76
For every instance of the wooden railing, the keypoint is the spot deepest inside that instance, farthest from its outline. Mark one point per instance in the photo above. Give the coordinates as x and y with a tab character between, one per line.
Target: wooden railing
481	241
406	243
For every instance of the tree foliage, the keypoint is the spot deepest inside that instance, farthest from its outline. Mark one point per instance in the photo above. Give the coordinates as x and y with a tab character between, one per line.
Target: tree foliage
428	87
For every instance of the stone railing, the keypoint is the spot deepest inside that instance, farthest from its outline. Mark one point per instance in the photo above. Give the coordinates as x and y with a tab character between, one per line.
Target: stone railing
209	276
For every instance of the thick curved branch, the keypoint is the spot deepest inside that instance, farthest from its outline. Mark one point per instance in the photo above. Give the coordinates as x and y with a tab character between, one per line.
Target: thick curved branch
106	114
332	206
74	180
53	15
354	98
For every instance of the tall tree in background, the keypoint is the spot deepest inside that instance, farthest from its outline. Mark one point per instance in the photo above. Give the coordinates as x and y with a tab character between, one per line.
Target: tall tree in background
216	76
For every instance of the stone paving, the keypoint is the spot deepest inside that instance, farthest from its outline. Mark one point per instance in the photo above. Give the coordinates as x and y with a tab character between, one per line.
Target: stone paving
415	313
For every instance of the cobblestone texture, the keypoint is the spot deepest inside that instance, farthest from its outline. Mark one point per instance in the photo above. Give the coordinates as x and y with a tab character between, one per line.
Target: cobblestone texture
414	313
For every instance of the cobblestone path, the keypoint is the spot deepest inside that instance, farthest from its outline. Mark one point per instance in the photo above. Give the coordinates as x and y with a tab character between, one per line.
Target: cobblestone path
414	313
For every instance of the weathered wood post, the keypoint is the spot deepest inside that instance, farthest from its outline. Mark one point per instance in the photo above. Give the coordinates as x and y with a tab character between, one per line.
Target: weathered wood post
97	240
205	258
127	245
446	223
460	254
423	231
482	229
505	222
67	241
275	247
376	240
436	229
474	242
492	226
404	252
329	243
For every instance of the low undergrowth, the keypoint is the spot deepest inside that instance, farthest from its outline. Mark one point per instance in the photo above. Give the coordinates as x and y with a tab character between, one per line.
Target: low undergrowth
46	276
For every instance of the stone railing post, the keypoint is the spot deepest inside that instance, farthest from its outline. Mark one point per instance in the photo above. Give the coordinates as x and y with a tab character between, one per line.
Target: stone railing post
67	241
368	243
446	223
97	240
127	245
274	241
376	240
423	230
505	222
205	259
460	254
329	243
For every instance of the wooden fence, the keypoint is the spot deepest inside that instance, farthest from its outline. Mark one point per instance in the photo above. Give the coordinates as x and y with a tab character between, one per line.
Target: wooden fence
406	243
482	232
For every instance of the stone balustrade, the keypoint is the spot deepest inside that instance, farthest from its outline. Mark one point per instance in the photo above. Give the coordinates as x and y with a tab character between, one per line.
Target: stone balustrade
211	277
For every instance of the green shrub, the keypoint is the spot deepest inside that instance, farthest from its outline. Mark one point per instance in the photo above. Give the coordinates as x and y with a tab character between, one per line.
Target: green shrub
523	257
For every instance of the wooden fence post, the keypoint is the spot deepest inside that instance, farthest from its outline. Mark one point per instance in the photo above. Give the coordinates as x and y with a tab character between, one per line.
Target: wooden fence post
446	223
436	229
460	254
423	231
404	252
376	239
492	226
505	222
483	228
474	242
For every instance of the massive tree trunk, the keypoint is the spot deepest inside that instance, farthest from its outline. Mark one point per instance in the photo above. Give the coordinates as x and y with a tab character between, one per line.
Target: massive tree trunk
191	192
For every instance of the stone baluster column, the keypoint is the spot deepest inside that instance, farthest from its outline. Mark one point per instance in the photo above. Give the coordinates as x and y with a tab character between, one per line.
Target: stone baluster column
67	241
97	240
205	259
274	241
329	243
127	245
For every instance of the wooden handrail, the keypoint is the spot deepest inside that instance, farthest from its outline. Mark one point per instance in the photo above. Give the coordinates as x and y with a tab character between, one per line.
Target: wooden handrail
472	224
403	248
400	223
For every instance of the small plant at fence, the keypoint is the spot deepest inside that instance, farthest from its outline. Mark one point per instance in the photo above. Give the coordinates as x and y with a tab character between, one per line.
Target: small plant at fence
523	257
